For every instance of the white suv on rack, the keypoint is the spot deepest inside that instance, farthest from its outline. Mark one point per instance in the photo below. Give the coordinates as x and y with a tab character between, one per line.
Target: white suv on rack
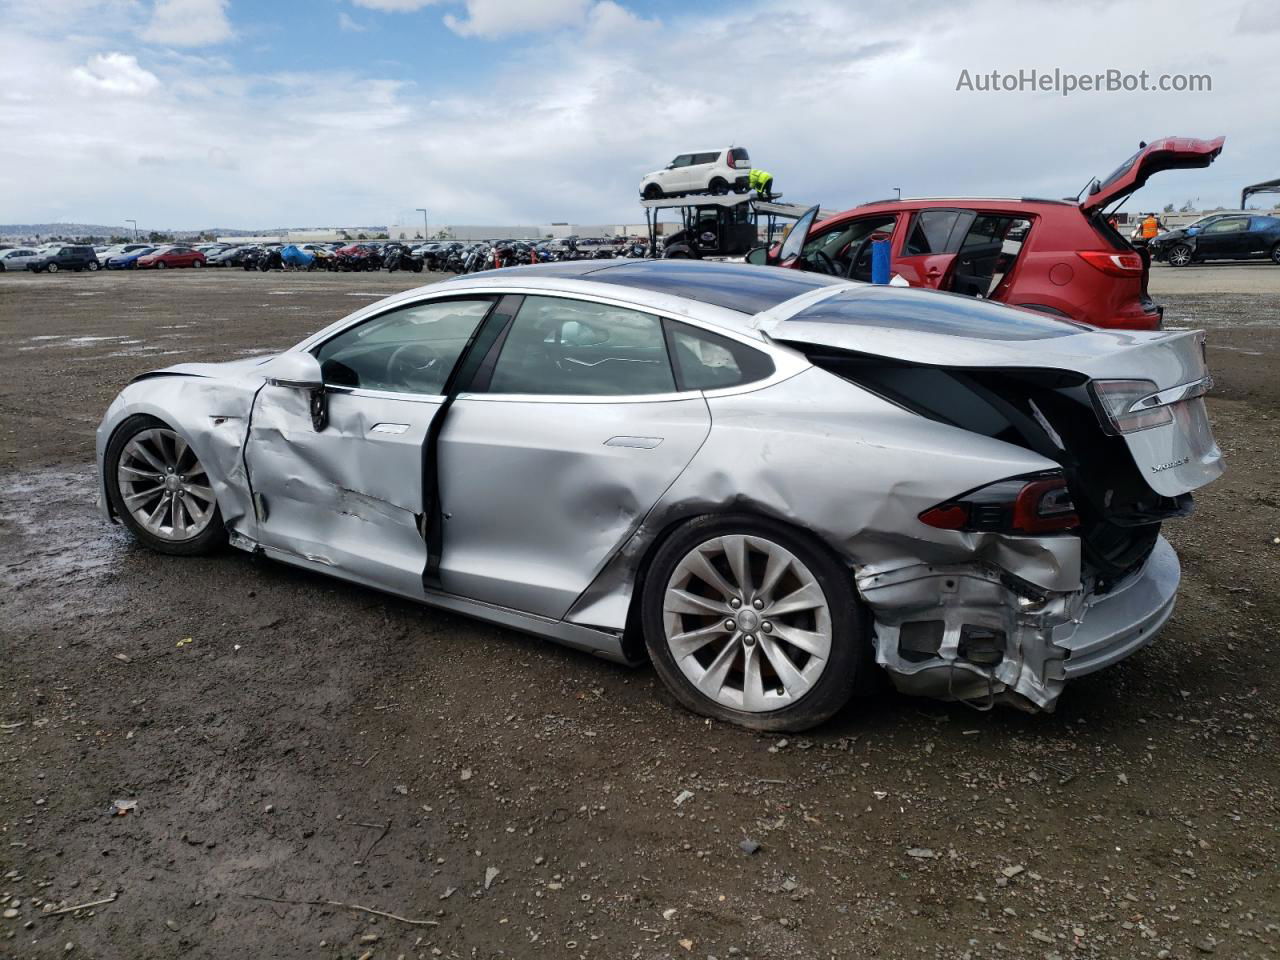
712	171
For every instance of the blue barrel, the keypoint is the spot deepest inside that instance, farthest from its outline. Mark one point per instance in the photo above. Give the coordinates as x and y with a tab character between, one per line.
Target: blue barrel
880	261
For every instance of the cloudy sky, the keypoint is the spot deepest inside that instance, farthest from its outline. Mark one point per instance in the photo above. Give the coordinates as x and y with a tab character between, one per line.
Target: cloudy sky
192	113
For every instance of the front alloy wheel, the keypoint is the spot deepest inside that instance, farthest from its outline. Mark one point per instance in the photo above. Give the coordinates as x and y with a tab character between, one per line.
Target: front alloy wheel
750	621
1180	255
160	489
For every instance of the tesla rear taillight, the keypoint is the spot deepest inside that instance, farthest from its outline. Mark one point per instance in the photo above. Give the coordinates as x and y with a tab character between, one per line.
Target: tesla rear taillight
1040	504
1113	264
1127	406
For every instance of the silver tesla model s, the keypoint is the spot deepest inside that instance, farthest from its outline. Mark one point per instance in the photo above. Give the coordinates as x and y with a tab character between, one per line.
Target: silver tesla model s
766	482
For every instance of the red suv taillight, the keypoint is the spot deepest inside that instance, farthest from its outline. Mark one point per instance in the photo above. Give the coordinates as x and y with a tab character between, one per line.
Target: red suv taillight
1040	504
1112	263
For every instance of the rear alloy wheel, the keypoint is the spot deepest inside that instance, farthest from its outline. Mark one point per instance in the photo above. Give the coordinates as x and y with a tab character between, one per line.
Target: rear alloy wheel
93	265
1180	255
719	186
1275	253
751	622
161	491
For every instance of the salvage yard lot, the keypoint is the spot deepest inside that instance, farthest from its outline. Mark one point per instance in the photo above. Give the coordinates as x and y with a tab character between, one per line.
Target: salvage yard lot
317	742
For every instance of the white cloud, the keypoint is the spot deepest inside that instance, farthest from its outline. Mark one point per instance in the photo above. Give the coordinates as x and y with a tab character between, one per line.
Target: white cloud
840	102
1259	16
395	6
347	23
499	18
188	23
115	73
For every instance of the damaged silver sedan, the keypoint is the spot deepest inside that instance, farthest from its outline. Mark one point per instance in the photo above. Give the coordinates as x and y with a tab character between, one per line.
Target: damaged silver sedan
766	482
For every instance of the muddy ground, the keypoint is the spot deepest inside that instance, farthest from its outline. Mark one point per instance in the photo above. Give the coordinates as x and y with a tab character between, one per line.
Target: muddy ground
318	742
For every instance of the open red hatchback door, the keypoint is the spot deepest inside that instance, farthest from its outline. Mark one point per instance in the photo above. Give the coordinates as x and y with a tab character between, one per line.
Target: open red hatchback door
1171	153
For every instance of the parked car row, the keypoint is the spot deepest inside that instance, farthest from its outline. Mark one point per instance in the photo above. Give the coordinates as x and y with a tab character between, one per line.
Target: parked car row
451	256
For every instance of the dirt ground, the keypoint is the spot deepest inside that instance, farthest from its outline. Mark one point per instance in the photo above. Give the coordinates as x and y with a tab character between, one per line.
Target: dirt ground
314	742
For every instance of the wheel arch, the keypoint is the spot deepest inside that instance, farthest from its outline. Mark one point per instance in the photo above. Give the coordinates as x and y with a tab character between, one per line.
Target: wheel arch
186	405
626	572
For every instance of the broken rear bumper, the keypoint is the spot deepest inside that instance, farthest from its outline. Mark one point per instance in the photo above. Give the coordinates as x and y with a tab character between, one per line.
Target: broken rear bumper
1118	623
928	617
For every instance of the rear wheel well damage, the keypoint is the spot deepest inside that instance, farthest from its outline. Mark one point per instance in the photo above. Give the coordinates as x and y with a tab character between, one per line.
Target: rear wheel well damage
675	520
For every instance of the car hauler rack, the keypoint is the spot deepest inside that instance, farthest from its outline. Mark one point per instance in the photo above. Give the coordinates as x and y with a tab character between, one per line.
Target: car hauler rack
718	226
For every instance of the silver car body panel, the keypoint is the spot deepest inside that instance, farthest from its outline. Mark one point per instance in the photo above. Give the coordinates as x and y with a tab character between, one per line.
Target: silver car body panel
1175	459
329	495
551	505
569	493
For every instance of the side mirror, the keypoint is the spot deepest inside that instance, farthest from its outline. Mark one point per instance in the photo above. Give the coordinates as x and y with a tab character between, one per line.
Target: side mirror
296	371
669	166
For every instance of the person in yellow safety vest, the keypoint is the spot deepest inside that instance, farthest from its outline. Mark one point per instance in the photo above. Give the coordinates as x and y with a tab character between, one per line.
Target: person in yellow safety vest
1150	226
761	182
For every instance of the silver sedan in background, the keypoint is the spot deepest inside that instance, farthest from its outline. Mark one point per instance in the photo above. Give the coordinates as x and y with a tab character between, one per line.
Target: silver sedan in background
768	483
17	258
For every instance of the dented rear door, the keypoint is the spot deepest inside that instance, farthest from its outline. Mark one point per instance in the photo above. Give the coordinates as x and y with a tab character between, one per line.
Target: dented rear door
348	498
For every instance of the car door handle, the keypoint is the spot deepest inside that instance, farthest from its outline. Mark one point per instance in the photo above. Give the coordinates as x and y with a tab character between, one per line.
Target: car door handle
639	443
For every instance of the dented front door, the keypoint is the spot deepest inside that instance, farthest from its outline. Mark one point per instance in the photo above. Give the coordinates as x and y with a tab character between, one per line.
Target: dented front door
348	498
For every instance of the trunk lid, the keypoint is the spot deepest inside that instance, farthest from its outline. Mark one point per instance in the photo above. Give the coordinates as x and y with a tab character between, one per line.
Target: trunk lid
1170	153
1159	412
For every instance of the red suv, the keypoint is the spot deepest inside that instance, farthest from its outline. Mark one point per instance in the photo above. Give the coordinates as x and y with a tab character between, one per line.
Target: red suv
1060	257
172	256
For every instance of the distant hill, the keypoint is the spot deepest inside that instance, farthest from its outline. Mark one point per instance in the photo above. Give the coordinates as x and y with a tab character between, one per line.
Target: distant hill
103	230
60	229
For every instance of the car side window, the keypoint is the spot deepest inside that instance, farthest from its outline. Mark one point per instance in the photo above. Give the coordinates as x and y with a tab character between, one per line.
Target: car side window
684	160
987	230
931	233
561	347
1228	225
708	361
705	158
411	349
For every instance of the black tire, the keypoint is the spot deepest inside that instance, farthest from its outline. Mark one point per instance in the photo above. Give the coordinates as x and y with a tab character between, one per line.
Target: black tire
51	268
653	192
719	186
1275	254
197	263
1179	255
93	266
211	538
161	265
851	649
